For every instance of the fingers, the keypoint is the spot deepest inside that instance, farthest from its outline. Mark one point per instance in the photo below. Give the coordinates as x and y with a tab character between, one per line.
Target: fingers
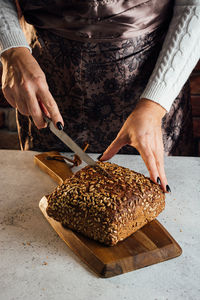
114	147
153	159
42	102
149	160
153	156
44	110
28	103
21	103
158	152
36	112
159	159
50	105
35	104
22	107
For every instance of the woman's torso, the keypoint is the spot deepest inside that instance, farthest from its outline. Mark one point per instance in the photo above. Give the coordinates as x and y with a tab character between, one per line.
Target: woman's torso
97	19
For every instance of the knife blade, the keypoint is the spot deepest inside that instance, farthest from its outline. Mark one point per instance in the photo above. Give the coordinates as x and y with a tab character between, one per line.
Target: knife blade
65	138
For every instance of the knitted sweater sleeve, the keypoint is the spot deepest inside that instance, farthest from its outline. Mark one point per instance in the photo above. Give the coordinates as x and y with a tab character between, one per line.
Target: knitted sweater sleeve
179	54
11	34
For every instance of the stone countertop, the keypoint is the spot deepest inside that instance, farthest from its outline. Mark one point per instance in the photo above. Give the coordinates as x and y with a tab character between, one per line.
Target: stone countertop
36	264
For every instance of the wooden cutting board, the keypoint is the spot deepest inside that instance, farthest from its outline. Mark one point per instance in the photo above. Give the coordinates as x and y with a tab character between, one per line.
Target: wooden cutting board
149	245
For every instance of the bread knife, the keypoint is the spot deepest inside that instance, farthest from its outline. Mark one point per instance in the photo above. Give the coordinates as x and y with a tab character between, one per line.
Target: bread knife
65	138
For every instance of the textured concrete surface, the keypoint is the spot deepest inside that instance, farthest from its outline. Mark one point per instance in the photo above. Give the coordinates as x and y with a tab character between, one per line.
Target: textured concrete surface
36	264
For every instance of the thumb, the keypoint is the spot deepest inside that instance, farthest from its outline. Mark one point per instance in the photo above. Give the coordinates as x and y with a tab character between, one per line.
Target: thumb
114	147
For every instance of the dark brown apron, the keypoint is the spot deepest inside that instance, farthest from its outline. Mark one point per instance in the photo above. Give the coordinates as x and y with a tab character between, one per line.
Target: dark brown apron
98	57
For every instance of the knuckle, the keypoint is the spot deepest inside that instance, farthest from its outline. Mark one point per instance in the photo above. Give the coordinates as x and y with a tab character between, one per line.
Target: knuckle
39	80
158	163
149	157
43	89
51	105
25	86
38	77
159	157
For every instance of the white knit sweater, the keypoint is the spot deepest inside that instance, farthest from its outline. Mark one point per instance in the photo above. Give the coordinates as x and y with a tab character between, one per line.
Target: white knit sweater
178	57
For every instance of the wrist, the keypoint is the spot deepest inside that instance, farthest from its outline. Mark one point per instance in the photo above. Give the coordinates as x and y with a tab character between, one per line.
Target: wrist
153	107
13	52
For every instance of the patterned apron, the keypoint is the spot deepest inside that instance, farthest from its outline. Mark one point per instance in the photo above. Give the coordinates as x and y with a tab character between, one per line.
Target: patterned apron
96	71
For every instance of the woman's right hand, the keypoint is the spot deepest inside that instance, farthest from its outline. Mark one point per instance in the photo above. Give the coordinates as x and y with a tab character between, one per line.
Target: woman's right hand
25	88
142	130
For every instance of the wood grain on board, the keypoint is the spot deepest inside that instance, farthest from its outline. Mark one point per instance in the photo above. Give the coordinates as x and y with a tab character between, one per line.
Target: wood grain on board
149	245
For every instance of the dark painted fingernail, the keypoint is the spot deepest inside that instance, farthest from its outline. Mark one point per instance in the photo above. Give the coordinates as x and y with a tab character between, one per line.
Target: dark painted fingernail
99	157
59	126
158	180
168	188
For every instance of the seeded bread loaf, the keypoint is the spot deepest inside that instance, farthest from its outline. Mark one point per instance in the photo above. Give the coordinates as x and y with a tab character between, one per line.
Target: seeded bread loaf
106	209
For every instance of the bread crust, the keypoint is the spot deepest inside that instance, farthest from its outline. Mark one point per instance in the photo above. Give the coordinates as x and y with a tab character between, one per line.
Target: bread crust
106	209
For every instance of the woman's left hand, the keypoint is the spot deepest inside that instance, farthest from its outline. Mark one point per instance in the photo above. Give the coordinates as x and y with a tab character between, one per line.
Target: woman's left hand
142	130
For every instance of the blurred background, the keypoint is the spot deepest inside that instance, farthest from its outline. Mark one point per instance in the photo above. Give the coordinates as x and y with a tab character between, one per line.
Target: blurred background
8	130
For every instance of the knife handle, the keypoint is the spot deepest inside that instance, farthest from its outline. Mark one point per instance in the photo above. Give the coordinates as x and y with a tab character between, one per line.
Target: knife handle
58	170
